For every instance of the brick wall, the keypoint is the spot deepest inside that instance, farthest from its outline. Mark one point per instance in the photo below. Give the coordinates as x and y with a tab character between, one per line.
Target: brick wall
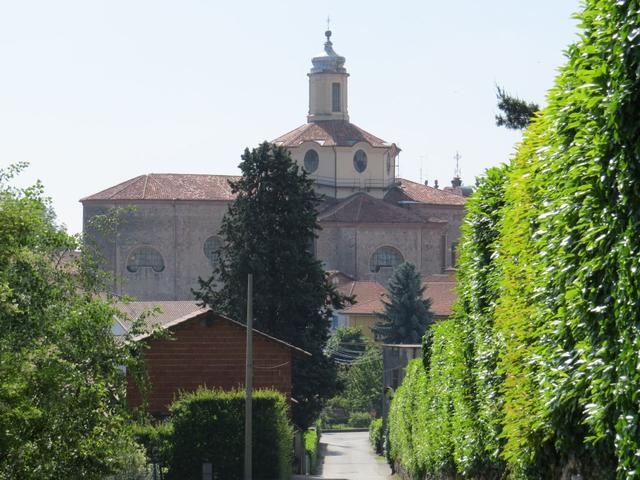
209	350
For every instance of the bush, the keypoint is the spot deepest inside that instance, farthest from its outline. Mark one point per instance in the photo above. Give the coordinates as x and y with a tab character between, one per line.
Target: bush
359	420
155	438
311	446
376	435
208	425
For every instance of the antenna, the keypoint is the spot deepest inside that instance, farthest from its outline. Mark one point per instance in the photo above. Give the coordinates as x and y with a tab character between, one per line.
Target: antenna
421	160
328	22
458	172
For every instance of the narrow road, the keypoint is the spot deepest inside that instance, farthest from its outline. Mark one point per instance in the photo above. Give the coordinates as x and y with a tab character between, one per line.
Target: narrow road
349	456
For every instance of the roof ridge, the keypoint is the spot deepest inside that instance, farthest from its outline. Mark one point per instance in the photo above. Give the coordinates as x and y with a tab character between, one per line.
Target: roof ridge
144	189
125	185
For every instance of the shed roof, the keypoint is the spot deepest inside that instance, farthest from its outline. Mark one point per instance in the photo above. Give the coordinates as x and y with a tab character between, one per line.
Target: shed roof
175	316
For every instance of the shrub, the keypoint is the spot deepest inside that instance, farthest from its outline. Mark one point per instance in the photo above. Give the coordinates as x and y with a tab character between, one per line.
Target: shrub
208	425
359	420
311	446
376	435
155	438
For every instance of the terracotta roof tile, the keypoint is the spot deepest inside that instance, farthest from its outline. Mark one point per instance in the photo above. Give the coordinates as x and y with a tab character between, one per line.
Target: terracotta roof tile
368	296
169	311
169	186
363	208
439	288
417	192
338	133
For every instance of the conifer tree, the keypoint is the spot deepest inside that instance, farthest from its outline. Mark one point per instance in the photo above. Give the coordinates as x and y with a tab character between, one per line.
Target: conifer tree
406	315
516	113
269	231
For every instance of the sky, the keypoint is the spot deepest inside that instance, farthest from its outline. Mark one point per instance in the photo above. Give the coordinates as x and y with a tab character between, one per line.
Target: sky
93	93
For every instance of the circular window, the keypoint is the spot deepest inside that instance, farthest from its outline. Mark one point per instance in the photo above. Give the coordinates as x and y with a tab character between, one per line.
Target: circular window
212	246
145	257
311	161
360	161
385	257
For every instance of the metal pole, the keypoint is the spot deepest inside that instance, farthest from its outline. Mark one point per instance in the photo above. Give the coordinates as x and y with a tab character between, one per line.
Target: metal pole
248	381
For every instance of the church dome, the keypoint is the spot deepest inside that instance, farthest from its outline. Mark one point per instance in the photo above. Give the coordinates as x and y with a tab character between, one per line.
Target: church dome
329	61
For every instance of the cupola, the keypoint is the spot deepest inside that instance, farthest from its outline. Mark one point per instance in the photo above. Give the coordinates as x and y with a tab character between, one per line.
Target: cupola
328	85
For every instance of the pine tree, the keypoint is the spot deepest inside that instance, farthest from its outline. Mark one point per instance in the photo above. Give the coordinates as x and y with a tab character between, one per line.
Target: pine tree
516	113
406	316
269	231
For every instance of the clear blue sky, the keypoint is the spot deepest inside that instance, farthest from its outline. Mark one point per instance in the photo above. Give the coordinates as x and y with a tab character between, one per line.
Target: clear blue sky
95	92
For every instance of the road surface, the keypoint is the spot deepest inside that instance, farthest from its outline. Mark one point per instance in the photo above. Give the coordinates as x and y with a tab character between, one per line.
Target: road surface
349	456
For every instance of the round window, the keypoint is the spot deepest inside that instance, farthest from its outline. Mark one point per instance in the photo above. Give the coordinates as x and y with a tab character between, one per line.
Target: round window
311	161
360	161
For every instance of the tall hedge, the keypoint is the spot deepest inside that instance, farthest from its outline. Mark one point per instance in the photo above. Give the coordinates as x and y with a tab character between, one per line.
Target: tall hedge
545	378
208	426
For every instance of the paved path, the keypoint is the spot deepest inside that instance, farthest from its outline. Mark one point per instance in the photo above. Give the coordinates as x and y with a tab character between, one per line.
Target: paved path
349	456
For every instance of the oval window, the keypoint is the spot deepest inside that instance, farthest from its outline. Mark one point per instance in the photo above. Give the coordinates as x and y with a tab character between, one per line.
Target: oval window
360	161
311	161
145	257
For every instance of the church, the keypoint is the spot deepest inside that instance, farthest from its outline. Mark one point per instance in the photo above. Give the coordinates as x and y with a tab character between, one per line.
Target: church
371	220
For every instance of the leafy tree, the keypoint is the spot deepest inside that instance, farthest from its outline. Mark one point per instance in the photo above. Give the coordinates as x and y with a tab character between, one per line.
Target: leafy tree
406	315
269	230
62	410
360	369
346	344
516	113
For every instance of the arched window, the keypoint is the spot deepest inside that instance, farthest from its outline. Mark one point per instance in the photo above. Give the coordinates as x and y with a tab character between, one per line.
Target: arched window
145	257
360	161
311	161
211	247
385	257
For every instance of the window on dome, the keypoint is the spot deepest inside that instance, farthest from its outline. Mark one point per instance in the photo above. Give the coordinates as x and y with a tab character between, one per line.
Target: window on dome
311	161
211	247
335	97
385	257
360	161
145	257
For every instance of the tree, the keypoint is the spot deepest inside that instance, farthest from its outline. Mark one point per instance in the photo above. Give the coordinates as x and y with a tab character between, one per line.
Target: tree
406	315
269	230
516	113
62	409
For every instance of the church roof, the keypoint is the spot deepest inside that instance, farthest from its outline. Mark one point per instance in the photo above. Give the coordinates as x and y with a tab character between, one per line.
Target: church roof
338	133
169	186
406	190
363	208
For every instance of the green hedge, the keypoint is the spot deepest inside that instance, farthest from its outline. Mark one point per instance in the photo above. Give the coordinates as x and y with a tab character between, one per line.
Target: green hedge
208	425
376	435
311	446
536	375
